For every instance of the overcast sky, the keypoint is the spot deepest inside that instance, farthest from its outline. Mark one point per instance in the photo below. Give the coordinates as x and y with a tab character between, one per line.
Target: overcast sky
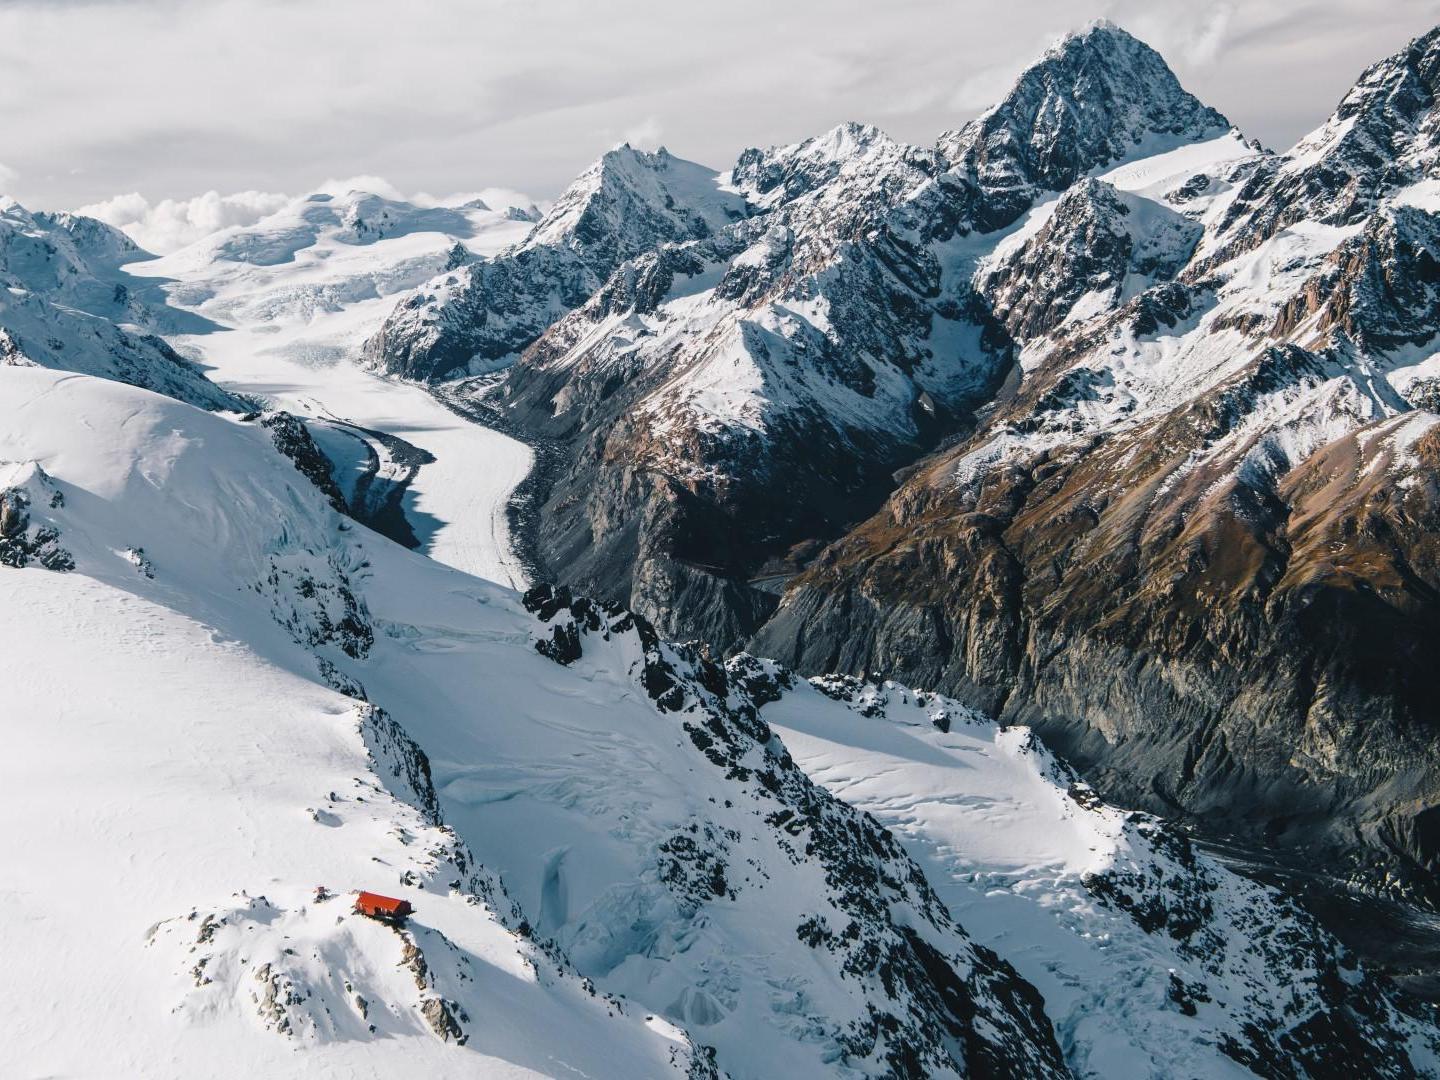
169	98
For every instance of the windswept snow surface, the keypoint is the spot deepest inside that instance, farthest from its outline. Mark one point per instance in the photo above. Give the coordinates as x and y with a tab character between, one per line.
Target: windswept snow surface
178	776
177	781
192	746
168	820
295	296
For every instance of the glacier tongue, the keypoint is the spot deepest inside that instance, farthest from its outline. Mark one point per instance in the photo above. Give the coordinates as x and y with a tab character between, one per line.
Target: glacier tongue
289	302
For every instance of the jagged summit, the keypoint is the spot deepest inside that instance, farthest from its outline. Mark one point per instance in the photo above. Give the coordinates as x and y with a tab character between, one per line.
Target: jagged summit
477	318
1101	24
787	363
1095	98
1389	111
1385	132
1383	136
850	170
1097	33
629	200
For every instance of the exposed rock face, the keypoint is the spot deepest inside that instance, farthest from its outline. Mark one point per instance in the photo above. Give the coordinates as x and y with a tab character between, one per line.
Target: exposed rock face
1098	248
478	316
1186	534
1213	652
294	440
377	473
22	540
312	596
1095	98
1382	137
1380	288
730	403
702	426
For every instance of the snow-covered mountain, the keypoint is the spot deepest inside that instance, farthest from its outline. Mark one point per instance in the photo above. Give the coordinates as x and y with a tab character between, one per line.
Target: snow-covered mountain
66	304
615	861
730	396
1096	98
651	828
1133	333
734	394
477	316
1094	417
1198	521
1381	139
287	304
178	796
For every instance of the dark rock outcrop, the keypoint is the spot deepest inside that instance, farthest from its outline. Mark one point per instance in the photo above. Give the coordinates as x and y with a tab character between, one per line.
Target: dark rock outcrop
1247	650
935	1001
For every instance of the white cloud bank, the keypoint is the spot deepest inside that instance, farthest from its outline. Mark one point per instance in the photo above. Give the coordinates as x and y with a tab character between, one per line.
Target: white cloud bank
170	224
169	97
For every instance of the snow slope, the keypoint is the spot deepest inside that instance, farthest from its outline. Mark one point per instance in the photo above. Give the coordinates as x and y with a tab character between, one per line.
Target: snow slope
244	670
64	304
216	595
293	298
1018	847
174	793
225	694
180	776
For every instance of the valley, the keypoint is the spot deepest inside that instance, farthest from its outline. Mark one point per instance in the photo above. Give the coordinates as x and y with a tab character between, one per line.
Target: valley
288	332
876	610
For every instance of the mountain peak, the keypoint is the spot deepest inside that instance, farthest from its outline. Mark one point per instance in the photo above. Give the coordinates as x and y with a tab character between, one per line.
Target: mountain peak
1095	31
784	173
1390	112
623	153
1096	97
1383	137
629	200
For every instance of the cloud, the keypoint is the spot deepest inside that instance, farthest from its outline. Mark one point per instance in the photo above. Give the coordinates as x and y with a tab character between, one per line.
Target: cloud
8	176
276	94
375	185
981	89
1208	39
172	223
644	135
1193	37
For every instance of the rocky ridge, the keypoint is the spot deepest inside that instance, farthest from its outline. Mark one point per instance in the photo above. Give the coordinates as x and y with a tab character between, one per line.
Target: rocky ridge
1146	504
476	316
